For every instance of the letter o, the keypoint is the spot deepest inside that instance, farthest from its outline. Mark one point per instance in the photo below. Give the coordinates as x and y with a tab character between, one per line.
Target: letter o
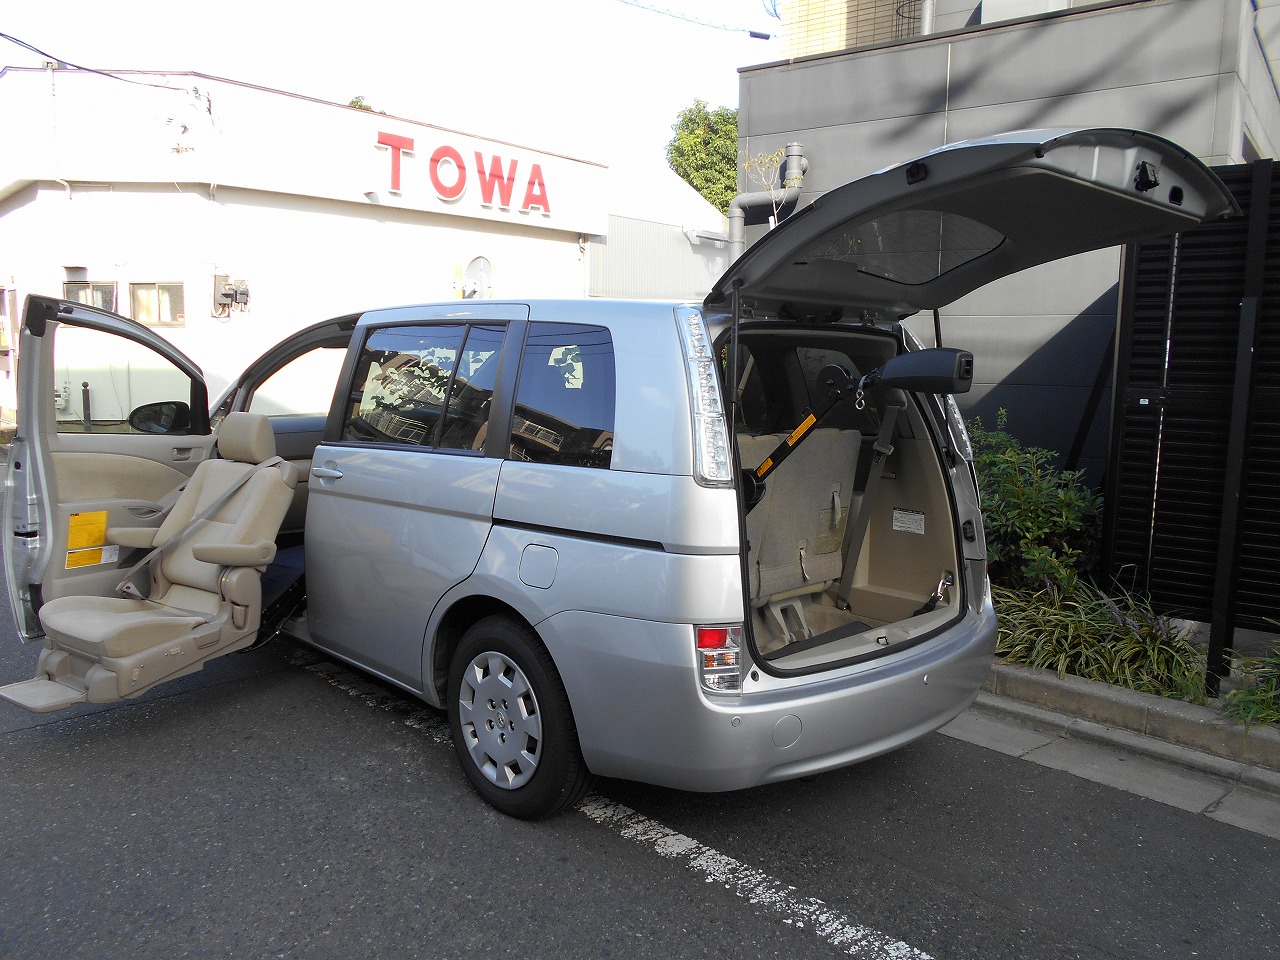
448	191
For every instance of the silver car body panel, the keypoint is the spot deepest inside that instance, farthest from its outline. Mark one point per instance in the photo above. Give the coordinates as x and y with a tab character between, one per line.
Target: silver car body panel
641	715
375	563
670	512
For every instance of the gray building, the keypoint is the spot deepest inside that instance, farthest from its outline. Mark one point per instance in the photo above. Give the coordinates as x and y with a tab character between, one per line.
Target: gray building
1200	72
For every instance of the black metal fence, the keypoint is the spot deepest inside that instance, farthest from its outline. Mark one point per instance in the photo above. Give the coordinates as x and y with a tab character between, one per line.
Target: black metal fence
1193	485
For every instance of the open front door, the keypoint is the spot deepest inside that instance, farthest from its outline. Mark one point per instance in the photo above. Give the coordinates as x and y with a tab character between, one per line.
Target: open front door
293	385
112	420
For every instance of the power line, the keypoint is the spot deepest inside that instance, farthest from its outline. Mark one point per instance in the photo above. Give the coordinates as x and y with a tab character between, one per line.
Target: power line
75	66
755	34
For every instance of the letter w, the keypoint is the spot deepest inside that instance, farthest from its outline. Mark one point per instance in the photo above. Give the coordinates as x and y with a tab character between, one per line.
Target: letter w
492	176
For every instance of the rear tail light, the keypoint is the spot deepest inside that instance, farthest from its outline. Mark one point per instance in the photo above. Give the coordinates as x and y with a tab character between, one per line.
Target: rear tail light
719	652
713	465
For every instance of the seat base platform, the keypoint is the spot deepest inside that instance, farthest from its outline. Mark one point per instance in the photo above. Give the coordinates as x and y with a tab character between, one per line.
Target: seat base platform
42	695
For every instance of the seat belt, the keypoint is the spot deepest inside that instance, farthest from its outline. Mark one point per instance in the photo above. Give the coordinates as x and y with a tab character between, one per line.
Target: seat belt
168	502
855	533
126	588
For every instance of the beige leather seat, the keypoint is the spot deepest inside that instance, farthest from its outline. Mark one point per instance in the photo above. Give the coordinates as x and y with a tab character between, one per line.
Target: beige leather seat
751	452
796	532
205	596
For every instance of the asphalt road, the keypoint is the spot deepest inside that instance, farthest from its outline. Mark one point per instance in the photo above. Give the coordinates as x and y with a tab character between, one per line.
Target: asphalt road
278	805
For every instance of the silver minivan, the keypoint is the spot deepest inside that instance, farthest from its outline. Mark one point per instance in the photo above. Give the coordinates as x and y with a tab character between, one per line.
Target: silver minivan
706	546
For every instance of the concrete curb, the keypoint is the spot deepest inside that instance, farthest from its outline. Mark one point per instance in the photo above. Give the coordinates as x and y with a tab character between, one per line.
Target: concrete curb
1200	738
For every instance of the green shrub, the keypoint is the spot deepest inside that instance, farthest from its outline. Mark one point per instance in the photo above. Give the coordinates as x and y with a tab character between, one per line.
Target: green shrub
1080	630
1258	700
1043	524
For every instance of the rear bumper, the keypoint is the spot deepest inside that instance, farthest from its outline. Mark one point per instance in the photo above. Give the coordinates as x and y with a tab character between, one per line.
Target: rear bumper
642	716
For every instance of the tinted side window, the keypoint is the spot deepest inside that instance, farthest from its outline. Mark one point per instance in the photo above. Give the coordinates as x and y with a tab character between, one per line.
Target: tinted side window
565	396
427	386
401	383
467	416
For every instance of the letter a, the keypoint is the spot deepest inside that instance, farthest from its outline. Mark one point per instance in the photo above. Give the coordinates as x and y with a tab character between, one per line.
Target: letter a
535	194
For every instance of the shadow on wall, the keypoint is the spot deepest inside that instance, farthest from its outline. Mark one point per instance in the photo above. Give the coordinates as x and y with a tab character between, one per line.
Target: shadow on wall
978	81
1051	374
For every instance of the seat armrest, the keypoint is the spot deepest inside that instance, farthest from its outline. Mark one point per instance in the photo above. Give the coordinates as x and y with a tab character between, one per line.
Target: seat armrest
236	554
132	536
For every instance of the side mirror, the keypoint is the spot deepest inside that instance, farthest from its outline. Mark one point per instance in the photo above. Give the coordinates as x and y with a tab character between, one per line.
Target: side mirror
935	370
167	416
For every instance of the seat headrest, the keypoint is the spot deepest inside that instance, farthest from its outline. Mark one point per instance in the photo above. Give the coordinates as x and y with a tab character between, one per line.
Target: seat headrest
246	437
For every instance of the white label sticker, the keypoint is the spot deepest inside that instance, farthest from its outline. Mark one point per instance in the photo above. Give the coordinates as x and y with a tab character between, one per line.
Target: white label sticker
908	521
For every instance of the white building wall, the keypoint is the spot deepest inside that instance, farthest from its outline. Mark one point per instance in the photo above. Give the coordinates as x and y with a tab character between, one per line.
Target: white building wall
303	259
186	128
318	208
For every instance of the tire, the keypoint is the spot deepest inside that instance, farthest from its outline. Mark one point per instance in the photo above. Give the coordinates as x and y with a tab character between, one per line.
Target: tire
511	722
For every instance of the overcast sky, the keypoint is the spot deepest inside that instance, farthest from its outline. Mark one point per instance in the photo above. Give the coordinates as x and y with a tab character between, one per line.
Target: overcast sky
596	79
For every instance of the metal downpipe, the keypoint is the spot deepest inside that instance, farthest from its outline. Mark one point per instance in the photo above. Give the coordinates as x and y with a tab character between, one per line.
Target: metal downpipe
793	170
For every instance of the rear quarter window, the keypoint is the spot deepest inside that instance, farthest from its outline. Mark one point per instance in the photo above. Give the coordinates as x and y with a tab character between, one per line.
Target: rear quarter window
565	397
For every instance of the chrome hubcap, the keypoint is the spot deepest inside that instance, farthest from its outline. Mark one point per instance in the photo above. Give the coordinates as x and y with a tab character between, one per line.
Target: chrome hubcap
501	725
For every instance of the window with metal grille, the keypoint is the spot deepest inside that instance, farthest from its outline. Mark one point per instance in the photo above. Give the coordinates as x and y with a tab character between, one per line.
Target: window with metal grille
817	26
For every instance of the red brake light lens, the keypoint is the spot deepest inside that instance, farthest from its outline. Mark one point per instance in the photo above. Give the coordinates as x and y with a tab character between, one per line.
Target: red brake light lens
713	638
719	658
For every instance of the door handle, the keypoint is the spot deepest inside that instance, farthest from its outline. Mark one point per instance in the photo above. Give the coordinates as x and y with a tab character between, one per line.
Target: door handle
326	473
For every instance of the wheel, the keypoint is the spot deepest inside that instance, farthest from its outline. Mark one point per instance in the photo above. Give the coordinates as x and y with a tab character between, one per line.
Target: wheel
512	725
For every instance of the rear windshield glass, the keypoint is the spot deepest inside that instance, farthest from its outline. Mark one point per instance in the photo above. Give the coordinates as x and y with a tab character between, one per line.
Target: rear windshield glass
909	246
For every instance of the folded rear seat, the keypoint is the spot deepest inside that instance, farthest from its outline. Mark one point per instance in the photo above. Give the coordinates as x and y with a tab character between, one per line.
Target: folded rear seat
796	532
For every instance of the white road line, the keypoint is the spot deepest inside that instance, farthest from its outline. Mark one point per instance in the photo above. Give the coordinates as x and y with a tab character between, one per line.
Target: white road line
759	888
755	886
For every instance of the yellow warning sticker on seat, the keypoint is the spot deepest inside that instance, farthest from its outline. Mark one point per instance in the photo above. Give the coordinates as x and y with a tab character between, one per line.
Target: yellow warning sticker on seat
84	558
92	556
87	530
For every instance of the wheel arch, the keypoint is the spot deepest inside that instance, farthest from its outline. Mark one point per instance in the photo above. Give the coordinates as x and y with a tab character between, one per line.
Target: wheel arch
457	619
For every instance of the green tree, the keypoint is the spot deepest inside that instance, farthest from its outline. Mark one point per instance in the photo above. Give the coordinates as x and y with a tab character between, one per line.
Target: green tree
360	104
704	151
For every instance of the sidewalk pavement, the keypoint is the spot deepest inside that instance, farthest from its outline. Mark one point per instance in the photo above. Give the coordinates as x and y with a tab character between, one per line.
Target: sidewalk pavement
1198	738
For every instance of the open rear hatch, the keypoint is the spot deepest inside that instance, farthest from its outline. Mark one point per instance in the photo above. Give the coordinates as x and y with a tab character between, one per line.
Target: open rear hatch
824	292
924	233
